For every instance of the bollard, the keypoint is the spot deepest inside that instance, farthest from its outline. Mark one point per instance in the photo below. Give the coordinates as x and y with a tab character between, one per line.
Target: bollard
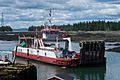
14	56
27	57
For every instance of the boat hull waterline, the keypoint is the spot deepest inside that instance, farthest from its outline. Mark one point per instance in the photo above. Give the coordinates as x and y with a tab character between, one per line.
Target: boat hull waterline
55	61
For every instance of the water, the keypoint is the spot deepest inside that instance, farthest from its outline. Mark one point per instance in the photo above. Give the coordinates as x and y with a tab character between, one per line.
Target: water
20	30
44	71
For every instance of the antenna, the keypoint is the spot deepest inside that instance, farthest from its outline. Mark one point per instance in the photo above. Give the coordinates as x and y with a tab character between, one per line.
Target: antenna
2	20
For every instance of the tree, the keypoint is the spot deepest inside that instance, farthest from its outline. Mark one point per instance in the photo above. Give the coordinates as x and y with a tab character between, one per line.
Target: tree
5	28
87	26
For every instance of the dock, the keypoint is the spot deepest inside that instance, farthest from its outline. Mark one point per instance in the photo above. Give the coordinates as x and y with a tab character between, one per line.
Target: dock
18	72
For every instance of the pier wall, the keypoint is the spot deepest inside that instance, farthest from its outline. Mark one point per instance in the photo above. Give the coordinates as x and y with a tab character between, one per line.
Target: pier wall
92	52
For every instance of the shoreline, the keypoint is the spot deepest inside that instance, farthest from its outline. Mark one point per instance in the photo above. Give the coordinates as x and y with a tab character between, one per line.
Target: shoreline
76	36
117	49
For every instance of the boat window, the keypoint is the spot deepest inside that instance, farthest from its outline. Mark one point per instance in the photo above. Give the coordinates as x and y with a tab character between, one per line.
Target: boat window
26	42
66	44
46	45
37	51
45	54
19	50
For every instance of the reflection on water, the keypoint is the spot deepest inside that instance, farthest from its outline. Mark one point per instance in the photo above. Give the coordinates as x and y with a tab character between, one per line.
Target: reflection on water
88	73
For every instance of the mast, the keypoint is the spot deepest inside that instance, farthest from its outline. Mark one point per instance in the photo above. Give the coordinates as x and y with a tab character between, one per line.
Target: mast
46	24
50	15
36	31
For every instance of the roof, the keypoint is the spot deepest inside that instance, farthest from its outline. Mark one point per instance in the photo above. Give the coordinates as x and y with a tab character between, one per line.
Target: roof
62	76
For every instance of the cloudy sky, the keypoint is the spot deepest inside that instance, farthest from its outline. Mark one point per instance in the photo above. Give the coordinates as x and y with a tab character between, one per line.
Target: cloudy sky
24	13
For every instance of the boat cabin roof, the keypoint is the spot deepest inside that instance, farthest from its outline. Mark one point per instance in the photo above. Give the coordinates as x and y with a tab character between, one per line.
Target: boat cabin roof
26	38
60	39
46	30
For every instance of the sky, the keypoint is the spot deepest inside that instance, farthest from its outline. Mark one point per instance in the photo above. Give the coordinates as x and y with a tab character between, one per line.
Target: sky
25	13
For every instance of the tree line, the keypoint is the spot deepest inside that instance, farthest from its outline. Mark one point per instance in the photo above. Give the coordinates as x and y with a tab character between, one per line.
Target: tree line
5	28
86	26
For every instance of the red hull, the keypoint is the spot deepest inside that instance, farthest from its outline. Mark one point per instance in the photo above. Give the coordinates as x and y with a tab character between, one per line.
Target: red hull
55	61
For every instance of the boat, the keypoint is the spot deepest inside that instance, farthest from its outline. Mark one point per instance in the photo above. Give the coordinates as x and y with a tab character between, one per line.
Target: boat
4	62
37	48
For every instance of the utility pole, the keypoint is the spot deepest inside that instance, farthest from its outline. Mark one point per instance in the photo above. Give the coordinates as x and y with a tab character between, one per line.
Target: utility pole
2	19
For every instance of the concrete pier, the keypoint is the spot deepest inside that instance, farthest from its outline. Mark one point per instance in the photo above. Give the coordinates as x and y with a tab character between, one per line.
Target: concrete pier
92	52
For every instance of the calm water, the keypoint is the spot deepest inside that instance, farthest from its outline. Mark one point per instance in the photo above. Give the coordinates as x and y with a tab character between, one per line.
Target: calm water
109	72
